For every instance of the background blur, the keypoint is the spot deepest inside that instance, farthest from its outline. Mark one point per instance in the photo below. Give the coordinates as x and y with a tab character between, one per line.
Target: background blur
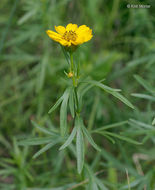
32	79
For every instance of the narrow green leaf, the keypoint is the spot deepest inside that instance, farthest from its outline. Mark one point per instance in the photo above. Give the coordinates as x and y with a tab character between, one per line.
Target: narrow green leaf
45	148
145	84
42	73
139	61
93	185
56	104
63	112
103	86
70	139
44	130
89	138
26	16
109	138
122	98
93	112
8	24
82	91
132	184
112	91
100	184
112	175
78	69
35	141
123	138
92	181
118	124
143	96
65	54
153	122
141	124
115	162
79	146
84	88
7	171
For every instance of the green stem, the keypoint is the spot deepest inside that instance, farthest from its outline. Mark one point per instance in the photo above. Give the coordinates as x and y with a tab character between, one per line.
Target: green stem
72	69
72	64
74	79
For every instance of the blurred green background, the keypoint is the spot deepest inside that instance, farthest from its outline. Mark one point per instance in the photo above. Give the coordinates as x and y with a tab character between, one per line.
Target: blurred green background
32	79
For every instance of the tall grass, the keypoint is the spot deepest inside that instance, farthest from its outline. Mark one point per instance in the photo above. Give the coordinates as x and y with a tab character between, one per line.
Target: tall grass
32	78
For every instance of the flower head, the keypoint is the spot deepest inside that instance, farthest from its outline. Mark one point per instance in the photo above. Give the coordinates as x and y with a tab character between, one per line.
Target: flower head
70	74
72	35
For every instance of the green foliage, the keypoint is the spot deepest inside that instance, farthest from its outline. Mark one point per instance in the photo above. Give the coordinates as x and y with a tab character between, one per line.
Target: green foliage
41	151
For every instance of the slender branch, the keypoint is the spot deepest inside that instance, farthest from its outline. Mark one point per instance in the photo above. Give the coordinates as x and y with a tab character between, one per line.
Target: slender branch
72	69
74	78
136	158
128	179
71	61
85	181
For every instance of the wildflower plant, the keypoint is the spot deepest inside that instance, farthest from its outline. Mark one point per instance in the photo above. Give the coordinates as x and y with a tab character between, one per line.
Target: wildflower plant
70	38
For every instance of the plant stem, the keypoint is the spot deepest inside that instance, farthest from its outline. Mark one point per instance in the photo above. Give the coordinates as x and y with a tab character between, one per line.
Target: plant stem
75	83
84	182
72	69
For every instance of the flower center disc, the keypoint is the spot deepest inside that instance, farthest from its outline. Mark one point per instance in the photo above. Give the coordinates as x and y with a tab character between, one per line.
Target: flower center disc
70	35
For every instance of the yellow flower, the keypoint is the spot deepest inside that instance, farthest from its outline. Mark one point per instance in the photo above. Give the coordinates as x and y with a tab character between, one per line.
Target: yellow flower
70	74
71	35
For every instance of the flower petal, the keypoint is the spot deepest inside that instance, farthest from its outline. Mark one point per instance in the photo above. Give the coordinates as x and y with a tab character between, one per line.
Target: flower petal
83	28
55	36
65	43
72	27
60	29
84	34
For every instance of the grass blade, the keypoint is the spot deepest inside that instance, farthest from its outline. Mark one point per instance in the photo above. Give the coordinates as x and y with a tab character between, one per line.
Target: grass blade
143	96
45	148
89	138
35	141
56	105
66	54
141	124
41	75
118	124
112	91
144	83
122	138
63	113
153	122
103	86
122	98
44	130
70	139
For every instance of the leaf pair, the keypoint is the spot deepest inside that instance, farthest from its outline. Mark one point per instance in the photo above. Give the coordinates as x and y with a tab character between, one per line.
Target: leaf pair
94	182
79	143
103	131
112	91
63	100
39	141
79	131
147	86
50	141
